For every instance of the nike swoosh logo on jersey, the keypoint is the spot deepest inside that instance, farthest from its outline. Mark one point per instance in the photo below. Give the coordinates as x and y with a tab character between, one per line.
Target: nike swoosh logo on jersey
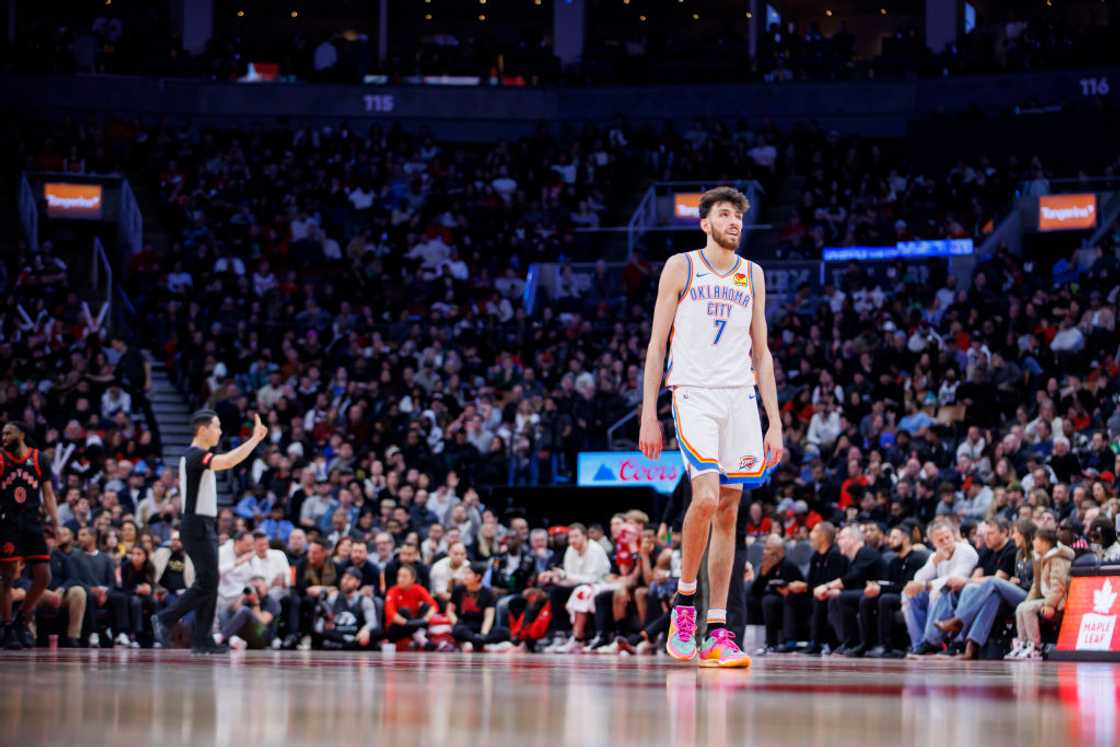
703	274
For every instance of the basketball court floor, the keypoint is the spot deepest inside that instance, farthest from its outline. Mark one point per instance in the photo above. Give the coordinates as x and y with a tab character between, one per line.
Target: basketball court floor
122	697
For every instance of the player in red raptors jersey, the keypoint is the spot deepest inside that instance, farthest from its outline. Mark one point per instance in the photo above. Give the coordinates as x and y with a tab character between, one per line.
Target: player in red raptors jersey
710	314
25	490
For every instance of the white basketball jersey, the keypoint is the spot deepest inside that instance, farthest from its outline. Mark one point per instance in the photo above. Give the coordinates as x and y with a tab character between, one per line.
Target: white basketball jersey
710	345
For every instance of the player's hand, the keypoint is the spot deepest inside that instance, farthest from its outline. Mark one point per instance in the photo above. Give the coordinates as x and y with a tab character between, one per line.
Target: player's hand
260	430
649	437
772	446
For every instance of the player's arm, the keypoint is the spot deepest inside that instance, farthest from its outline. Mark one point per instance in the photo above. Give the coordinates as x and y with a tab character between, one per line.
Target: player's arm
50	501
673	278
763	363
488	620
231	459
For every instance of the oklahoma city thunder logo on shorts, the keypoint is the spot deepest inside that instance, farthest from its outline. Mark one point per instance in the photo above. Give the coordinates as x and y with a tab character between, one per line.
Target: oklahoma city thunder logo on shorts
747	462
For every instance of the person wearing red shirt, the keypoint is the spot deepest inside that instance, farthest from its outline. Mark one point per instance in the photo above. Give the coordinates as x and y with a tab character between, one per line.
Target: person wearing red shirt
408	608
853	485
758	525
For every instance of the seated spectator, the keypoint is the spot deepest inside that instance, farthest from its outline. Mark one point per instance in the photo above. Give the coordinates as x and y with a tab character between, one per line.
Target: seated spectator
449	572
775	572
1104	543
573	587
383	547
544	558
612	598
348	619
409	555
64	597
472	610
371	574
296	546
992	577
882	599
272	564
408	608
173	571
93	570
276	527
434	545
250	620
138	582
316	575
1047	596
235	568
758	524
655	623
932	595
801	605
865	565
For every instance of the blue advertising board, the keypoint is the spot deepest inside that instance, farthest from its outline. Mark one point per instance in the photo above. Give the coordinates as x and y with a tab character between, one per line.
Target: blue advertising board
629	469
904	250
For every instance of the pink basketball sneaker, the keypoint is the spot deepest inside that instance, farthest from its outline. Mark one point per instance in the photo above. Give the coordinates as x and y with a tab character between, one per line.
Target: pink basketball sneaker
682	633
719	650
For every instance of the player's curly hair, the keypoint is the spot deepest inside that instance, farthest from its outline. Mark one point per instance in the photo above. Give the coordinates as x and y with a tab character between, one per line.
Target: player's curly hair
716	195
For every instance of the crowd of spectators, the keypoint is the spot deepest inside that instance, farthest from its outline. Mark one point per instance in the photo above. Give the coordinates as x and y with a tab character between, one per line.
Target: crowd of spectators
514	47
856	192
364	294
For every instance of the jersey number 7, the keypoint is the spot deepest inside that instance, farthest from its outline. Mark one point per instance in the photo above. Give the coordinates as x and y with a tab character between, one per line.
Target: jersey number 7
720	325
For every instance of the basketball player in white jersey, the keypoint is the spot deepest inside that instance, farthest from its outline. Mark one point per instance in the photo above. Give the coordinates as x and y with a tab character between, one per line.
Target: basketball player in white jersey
710	313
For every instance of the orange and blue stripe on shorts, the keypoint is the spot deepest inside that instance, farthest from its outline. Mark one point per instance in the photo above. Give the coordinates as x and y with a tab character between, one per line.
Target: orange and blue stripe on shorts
700	464
749	478
692	457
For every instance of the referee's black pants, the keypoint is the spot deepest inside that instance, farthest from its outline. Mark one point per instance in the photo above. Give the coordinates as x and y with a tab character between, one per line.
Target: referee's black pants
200	541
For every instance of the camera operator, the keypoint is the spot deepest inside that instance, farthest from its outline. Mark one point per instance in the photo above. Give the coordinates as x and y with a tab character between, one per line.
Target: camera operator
250	620
348	619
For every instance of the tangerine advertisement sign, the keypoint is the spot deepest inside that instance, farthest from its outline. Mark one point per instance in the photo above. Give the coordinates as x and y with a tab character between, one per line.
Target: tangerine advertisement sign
73	200
1067	212
686	207
1092	611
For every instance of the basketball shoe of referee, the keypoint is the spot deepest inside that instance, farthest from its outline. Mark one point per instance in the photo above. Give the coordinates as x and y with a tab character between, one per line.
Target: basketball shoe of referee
199	531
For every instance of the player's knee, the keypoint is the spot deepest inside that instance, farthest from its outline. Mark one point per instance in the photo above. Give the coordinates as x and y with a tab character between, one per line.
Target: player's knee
705	500
641	593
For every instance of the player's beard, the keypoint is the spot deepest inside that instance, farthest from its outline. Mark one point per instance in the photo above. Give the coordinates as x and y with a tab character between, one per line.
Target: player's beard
725	240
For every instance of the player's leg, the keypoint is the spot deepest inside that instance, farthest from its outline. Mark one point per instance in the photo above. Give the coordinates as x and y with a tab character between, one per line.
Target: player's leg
696	528
36	554
694	537
719	648
740	456
694	412
721	553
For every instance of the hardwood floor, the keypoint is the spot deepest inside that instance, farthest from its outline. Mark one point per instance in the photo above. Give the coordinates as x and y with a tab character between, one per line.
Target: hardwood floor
122	697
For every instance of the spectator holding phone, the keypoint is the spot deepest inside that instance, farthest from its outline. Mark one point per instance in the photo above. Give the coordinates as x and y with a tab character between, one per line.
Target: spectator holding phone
250	620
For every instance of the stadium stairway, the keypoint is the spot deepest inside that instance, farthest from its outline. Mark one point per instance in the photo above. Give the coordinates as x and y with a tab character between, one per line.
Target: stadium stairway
173	413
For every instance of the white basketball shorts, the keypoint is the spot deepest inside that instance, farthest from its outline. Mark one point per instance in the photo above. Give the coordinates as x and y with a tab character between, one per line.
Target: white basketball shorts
719	430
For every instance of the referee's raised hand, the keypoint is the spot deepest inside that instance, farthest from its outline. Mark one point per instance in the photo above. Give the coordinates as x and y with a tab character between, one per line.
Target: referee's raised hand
260	430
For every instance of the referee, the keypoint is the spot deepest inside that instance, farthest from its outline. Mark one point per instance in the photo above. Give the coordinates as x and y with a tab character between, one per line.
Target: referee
199	527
